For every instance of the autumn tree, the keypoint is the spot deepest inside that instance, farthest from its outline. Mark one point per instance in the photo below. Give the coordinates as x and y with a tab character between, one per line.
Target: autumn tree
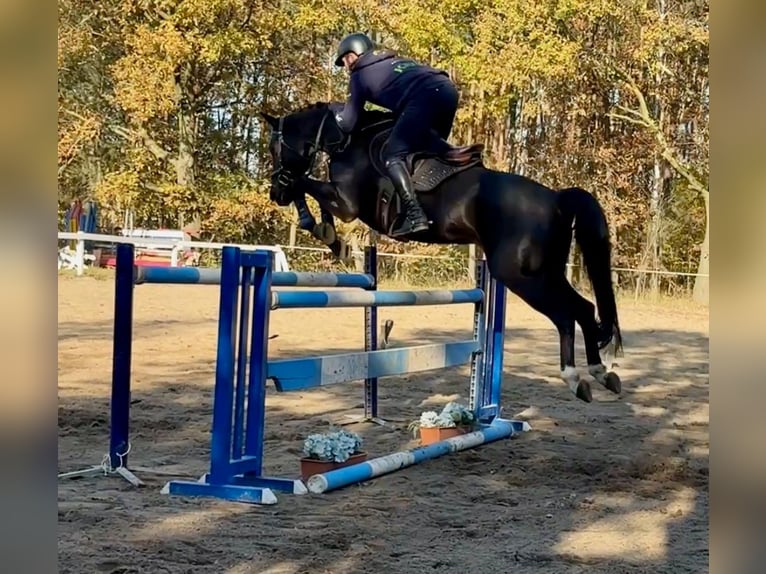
159	102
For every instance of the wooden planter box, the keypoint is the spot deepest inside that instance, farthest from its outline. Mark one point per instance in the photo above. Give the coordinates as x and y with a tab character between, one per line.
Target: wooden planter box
312	466
430	435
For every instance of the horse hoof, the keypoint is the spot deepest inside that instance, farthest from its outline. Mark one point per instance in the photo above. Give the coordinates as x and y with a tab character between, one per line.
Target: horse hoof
325	233
613	382
336	248
583	392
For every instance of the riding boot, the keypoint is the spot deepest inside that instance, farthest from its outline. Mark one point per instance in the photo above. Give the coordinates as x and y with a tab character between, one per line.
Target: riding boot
416	219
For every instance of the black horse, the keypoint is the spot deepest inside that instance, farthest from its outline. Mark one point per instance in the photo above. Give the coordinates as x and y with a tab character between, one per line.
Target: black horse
524	228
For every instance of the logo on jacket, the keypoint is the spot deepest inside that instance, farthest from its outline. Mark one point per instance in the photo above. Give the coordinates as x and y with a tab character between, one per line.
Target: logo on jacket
403	65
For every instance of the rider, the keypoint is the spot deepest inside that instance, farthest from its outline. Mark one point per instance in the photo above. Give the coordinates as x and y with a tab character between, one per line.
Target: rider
423	99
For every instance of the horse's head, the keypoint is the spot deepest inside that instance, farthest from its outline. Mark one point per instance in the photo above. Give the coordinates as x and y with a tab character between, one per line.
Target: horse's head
295	140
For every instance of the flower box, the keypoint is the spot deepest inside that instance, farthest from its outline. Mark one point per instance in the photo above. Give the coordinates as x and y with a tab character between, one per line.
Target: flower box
454	420
312	466
328	451
430	435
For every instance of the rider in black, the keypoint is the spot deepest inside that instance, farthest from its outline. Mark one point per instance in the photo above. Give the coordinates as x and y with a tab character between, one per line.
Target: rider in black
423	99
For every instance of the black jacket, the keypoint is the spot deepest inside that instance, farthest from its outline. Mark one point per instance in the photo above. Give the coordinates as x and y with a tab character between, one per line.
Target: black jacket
385	80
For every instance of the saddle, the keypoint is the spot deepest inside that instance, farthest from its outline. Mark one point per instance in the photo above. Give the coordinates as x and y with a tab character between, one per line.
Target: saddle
428	169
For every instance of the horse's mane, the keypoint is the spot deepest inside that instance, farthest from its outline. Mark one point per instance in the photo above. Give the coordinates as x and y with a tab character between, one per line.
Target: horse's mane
366	118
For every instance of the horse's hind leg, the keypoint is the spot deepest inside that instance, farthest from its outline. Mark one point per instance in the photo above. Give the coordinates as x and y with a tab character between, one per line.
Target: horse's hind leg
585	314
552	300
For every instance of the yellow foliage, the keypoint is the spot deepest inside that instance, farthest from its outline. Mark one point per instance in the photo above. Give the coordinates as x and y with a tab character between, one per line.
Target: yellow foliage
118	191
246	215
171	41
145	77
157	92
75	131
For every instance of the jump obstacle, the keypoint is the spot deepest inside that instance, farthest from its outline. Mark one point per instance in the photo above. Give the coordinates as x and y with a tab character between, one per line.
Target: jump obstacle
246	280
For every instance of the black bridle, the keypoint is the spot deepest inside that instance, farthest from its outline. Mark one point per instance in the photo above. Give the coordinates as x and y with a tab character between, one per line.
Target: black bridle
283	177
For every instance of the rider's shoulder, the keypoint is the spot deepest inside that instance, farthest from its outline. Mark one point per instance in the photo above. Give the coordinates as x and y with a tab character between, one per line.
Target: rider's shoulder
375	56
382	53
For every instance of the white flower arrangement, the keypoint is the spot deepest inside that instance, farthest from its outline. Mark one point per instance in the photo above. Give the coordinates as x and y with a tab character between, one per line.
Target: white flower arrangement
336	446
452	415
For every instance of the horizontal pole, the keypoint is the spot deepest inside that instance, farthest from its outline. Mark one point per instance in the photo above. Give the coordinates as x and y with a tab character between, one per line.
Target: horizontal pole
177	275
308	299
334	479
305	279
212	276
308	372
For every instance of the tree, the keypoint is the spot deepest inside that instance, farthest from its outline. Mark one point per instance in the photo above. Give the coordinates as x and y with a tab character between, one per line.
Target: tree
159	102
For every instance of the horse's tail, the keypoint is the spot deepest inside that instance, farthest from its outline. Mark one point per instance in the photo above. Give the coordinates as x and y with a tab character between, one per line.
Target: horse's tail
592	235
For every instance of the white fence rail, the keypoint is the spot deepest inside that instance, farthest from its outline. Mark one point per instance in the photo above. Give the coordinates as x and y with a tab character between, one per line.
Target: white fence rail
69	259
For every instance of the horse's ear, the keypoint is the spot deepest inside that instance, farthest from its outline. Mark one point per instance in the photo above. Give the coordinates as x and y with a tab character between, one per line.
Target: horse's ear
271	120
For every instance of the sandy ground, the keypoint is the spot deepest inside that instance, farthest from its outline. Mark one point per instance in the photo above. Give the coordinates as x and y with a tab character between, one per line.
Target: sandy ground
619	485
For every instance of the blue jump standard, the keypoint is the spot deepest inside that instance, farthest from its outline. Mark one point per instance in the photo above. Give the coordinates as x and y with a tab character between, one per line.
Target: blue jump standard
246	298
334	479
246	280
239	407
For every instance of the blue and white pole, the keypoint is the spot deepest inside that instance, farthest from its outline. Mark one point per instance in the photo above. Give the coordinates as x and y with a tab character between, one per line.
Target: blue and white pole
334	479
312	299
212	276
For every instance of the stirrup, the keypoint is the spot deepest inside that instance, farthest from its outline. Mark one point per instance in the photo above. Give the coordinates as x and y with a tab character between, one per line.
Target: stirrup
407	227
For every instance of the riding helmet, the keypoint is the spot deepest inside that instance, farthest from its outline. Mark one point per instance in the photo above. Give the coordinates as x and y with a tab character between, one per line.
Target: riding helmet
353	43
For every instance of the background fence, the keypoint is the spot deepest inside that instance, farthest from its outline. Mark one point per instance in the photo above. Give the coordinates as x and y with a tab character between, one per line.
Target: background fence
453	267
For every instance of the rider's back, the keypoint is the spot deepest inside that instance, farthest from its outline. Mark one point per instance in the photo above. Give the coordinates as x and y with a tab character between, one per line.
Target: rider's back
386	79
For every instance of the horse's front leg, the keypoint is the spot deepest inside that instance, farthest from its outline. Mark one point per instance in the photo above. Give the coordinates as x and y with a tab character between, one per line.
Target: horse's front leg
324	231
306	219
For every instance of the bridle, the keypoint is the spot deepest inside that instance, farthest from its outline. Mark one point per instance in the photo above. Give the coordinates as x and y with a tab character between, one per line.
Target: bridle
283	176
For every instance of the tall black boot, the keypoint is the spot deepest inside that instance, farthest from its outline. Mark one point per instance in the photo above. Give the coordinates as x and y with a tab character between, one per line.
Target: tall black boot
416	219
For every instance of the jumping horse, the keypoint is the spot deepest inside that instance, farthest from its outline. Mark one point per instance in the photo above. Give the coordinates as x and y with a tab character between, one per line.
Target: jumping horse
524	228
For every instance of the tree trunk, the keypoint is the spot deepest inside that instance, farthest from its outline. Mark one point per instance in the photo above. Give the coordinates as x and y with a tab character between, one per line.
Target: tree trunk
187	132
184	162
701	292
642	117
653	258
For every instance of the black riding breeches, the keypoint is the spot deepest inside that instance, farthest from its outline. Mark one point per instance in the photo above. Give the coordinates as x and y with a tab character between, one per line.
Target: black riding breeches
428	112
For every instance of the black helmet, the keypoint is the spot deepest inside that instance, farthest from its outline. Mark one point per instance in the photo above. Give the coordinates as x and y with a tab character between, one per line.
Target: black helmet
353	43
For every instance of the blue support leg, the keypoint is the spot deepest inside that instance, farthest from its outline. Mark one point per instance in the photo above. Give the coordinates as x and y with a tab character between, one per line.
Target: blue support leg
121	357
371	341
259	350
371	338
492	365
119	436
223	397
498	336
233	475
240	389
260	266
481	310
